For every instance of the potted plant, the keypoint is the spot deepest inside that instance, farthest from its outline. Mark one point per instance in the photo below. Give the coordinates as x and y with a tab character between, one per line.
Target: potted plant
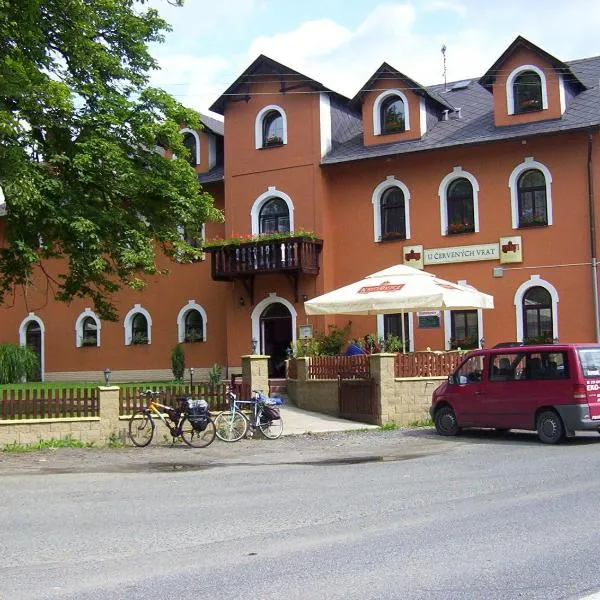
274	140
460	227
139	338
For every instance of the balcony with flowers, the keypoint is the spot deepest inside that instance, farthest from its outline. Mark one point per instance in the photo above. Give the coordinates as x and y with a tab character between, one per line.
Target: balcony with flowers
242	257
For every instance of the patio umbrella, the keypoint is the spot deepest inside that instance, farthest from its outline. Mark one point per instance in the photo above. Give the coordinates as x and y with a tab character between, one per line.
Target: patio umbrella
398	289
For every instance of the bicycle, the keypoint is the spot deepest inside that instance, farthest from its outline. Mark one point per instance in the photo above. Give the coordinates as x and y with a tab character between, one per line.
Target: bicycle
190	421
233	424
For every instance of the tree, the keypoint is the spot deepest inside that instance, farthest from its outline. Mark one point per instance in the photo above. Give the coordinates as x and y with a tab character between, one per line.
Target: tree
89	200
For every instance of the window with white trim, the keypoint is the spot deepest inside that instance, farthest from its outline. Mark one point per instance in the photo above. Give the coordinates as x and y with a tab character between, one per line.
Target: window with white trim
526	90
530	185
138	326
459	203
391	201
536	311
390	113
87	329
270	128
191	140
272	211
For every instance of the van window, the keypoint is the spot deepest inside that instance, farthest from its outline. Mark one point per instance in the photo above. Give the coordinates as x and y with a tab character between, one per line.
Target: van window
546	365
470	371
506	367
589	358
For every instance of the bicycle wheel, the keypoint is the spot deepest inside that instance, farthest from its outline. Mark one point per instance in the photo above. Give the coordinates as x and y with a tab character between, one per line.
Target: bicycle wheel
231	426
141	427
197	439
271	429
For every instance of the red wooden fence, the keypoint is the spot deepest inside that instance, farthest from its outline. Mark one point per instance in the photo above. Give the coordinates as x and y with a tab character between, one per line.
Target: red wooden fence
49	403
329	367
426	364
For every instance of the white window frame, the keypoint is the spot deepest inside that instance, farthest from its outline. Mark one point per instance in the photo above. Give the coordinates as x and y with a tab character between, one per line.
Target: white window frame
390	181
528	164
272	192
535	281
510	98
258	124
377	112
23	338
79	327
457	173
410	332
191	305
137	308
197	138
448	321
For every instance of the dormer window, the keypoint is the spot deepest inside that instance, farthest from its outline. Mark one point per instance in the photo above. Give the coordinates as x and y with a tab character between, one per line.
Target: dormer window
271	127
189	141
392	115
527	91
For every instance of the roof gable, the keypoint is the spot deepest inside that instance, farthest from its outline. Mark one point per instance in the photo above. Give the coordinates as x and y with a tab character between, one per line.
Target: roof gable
264	65
385	71
520	42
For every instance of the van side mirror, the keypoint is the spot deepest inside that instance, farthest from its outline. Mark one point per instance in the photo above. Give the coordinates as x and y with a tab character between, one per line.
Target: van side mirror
451	380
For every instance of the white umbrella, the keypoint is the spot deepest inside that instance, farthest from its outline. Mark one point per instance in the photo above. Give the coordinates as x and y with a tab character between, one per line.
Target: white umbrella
398	289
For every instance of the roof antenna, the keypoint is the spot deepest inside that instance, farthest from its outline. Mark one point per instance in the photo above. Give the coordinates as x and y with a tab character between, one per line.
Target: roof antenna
444	55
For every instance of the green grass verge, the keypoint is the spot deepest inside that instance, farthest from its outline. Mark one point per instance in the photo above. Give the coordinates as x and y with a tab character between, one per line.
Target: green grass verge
46	444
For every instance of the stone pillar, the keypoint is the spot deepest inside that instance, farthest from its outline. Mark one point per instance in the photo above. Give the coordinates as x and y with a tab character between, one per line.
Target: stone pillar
382	369
109	414
255	372
296	387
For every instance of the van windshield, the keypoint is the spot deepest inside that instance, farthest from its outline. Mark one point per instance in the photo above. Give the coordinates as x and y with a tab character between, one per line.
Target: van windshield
589	358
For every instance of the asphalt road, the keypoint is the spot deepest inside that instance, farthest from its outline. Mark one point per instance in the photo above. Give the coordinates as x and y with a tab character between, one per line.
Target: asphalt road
372	515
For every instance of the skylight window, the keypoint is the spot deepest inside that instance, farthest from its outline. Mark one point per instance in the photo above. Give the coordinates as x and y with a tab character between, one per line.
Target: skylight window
461	85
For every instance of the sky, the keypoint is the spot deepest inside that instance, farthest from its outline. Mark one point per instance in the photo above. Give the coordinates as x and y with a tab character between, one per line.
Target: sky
341	43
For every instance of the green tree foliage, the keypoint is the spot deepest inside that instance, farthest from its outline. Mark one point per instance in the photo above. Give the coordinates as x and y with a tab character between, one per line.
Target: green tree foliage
178	362
79	130
17	363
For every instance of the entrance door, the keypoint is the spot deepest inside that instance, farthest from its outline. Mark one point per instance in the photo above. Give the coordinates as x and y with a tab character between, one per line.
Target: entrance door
276	332
33	340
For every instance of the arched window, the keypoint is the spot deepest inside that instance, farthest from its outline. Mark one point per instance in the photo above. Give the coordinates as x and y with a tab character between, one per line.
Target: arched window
272	129
537	315
393	117
194	326
460	211
139	329
89	332
527	92
274	216
189	141
531	192
393	216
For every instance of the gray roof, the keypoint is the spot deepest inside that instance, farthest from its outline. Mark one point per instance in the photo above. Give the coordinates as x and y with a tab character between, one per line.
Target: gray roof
476	122
217	173
214	125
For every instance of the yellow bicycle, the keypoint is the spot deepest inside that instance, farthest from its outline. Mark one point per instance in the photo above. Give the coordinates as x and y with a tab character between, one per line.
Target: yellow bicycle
190	421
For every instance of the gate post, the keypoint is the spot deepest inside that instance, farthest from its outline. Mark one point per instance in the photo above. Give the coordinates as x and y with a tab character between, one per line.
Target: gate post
382	370
255	372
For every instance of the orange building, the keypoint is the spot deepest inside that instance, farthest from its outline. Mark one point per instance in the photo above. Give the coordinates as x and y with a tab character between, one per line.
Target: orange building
489	181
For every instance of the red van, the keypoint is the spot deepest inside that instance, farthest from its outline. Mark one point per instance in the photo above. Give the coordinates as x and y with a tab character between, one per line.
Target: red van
552	389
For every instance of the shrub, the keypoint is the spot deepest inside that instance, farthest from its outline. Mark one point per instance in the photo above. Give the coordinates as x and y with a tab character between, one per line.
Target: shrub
178	362
333	343
17	363
215	374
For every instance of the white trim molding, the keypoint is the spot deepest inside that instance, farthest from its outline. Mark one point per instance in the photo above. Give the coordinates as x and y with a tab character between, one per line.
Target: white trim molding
377	112
137	308
23	338
79	327
390	181
535	281
272	298
191	305
448	321
325	123
528	164
510	97
196	137
457	173
258	124
272	192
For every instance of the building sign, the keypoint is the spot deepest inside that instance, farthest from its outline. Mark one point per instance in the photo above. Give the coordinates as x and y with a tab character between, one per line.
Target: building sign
438	256
305	332
413	256
429	319
511	249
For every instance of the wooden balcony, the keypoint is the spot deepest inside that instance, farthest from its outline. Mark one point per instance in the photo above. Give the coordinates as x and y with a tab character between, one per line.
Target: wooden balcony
293	256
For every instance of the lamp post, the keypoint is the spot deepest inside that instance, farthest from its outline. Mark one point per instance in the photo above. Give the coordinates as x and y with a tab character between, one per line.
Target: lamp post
191	377
107	373
254	343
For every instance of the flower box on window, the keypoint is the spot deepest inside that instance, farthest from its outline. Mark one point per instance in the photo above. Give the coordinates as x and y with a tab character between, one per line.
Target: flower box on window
139	338
534	221
89	341
392	235
273	140
466	343
193	335
394	126
530	104
460	228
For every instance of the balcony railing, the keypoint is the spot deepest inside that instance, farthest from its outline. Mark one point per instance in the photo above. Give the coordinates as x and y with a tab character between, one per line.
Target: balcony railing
291	256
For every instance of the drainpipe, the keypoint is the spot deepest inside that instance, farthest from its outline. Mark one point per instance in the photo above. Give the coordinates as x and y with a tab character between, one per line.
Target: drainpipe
592	217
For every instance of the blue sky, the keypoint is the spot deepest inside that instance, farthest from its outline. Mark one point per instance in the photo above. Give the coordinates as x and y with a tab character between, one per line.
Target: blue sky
341	43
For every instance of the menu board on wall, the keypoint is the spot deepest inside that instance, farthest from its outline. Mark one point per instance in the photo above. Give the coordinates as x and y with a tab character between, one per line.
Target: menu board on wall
429	319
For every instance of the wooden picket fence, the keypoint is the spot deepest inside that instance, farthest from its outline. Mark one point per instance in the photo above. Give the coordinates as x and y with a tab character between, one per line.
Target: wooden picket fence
426	364
329	367
132	397
51	403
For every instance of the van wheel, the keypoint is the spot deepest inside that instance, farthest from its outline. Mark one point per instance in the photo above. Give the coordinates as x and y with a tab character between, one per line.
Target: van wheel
550	428
445	421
